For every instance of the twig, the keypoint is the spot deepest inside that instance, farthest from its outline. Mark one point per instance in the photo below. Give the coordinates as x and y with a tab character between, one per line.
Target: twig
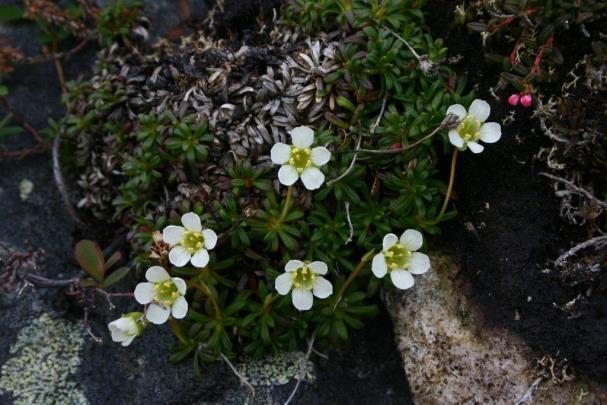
61	184
240	376
302	368
360	138
350	167
597	241
20	154
350	226
41	281
575	188
381	113
417	56
6	106
60	75
57	55
450	121
108	296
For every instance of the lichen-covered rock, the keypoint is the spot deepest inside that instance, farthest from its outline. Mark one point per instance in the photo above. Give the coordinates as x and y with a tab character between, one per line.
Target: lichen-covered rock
46	358
452	356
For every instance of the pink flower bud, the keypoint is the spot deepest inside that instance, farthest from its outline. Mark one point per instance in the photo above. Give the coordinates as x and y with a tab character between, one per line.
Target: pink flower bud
513	100
526	100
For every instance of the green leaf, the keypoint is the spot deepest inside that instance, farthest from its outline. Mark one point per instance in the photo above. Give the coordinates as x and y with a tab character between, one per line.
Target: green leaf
10	13
7	131
112	260
90	258
3	90
115	276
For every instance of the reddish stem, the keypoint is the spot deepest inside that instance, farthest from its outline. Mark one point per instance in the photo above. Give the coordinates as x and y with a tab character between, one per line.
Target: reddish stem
535	71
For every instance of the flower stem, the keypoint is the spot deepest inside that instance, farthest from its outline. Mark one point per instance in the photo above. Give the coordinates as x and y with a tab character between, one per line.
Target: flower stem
449	190
365	259
285	209
206	291
177	331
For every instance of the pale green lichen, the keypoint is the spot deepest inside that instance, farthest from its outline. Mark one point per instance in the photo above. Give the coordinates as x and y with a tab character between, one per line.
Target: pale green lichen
278	370
47	355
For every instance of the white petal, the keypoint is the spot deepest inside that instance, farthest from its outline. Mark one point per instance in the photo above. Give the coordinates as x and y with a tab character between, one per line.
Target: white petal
458	110
480	110
200	258
117	334
179	256
128	340
157	314
127	325
319	268
287	175
144	293
302	299
320	156
180	284
389	241
455	139
401	279
302	137
210	238
419	263
191	221
280	153
293	265
491	132
156	274
412	239
283	283
322	287
172	234
475	147
179	308
379	266
312	178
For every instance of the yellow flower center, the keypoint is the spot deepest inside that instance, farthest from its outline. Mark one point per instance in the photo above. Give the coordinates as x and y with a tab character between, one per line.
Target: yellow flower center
192	241
397	257
470	129
303	278
300	158
166	292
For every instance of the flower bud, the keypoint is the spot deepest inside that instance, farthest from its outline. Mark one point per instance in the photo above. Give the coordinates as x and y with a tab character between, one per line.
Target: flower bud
514	99
127	328
526	100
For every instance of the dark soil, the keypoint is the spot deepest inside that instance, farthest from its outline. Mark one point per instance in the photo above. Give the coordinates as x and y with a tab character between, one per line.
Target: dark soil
509	229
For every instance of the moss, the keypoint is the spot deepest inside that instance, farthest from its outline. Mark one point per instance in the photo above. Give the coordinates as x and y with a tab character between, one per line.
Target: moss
46	356
277	370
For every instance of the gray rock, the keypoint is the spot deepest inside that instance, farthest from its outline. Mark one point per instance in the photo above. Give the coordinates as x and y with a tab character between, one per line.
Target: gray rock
452	356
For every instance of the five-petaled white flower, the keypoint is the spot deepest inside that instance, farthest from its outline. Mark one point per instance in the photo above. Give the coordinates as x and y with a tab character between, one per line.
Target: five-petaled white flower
298	160
127	328
164	293
400	259
472	126
305	279
189	242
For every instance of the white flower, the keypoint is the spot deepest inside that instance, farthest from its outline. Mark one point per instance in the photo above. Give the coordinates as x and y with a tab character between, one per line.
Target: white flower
400	259
164	294
472	126
189	242
305	280
127	328
298	160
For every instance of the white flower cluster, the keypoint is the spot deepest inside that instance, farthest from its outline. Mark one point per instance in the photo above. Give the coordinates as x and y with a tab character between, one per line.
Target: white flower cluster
164	296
